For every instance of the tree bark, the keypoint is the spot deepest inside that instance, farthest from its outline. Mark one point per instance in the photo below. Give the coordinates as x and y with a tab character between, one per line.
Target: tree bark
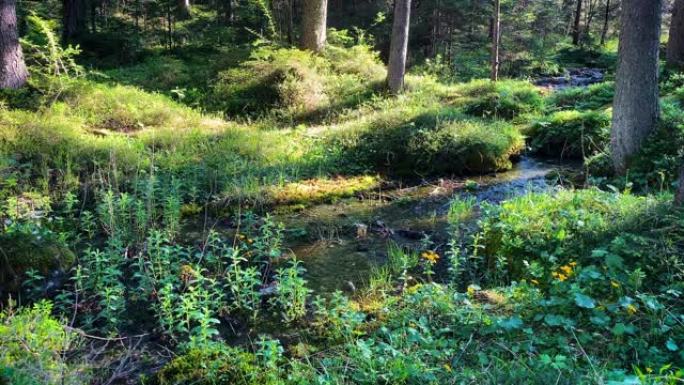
399	46
73	18
675	45
606	20
679	197
314	24
496	37
636	107
13	73
576	31
184	10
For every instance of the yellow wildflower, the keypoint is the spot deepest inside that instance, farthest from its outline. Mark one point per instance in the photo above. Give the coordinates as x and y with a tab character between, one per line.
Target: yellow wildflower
471	291
649	370
562	277
573	264
241	236
614	284
447	367
567	269
430	256
534	281
631	309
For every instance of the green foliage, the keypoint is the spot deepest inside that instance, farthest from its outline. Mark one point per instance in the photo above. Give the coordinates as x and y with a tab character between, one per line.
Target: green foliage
504	99
594	97
431	146
570	134
297	83
34	348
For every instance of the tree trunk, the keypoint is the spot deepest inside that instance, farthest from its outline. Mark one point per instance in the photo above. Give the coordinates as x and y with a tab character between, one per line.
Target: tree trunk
606	20
636	106
13	73
399	46
496	37
576	31
679	198
675	45
228	11
74	20
184	10
314	24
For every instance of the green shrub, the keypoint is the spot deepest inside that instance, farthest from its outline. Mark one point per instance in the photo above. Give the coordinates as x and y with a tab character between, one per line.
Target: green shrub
34	348
297	83
570	134
457	147
595	97
504	99
552	230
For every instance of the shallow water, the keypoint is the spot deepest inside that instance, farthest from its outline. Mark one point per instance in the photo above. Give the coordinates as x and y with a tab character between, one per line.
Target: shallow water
329	238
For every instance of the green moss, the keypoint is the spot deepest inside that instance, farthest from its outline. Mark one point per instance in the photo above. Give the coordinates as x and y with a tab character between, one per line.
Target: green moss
504	99
217	364
595	97
457	147
570	134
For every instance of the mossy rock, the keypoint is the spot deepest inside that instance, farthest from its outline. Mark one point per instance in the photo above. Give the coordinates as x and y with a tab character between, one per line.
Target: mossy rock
214	365
23	252
570	134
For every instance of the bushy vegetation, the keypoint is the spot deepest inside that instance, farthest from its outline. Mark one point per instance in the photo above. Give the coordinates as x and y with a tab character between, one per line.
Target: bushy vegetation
570	134
135	230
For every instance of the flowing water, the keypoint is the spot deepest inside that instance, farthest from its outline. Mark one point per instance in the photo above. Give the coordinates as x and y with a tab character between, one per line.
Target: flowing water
339	243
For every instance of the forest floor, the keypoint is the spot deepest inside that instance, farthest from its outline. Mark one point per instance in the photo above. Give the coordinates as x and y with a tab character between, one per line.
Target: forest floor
293	224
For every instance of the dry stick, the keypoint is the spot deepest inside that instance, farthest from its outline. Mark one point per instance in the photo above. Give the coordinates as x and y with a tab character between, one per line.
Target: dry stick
584	353
86	335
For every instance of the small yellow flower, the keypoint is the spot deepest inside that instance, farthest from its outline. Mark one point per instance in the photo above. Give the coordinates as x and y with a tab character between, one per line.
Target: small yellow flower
562	277
471	291
447	367
566	269
649	370
241	236
631	309
250	241
614	284
573	264
430	256
534	281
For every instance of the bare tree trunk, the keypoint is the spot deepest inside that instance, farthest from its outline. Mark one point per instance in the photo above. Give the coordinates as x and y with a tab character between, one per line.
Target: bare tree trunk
399	46
314	24
636	106
606	20
73	19
576	31
13	73
675	45
184	10
679	197
496	37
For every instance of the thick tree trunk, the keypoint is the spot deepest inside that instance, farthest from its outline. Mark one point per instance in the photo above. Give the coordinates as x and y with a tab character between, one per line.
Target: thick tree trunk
576	31
184	9
606	20
74	20
13	73
679	198
399	46
636	106
675	45
496	37
314	24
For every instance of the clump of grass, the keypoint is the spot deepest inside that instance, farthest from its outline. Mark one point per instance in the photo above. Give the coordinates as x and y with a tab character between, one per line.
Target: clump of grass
595	97
555	229
298	83
504	99
452	147
570	134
